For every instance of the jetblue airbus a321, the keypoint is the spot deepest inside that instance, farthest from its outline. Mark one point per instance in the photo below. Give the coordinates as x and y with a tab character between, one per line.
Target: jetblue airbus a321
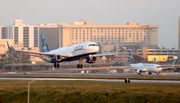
79	52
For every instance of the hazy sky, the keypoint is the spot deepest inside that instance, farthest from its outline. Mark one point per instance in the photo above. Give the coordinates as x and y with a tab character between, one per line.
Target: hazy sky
145	12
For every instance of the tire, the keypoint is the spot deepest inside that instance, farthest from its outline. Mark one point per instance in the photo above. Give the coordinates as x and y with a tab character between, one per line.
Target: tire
57	65
127	80
78	66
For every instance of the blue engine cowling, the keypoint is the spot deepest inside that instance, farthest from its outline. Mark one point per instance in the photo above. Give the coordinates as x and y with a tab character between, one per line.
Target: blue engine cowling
56	58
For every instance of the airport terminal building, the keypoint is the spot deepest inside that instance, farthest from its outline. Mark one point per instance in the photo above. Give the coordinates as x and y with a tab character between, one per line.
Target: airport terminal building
78	32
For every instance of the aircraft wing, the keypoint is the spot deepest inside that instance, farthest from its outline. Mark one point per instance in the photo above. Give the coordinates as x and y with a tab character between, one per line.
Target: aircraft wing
136	69
40	54
168	68
100	55
109	54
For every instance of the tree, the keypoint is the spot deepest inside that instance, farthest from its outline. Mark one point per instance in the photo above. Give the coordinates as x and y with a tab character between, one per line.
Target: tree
3	56
29	49
163	48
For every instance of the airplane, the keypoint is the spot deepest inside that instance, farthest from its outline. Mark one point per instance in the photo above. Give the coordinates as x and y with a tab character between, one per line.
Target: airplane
79	52
150	68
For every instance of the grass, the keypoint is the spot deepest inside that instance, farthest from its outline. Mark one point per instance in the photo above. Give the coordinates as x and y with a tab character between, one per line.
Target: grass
88	92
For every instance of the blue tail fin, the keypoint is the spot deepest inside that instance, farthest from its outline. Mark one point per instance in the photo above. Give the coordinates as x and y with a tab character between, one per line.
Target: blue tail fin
44	44
131	57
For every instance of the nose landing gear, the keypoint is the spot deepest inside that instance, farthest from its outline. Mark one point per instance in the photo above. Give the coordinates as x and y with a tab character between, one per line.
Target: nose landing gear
157	73
80	65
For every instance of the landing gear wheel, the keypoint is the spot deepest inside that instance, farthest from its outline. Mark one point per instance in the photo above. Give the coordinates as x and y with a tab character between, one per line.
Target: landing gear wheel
57	65
78	66
81	66
127	80
150	73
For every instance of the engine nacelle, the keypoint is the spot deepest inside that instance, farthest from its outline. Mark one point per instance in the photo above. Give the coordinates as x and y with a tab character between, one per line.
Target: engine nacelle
56	58
92	60
138	71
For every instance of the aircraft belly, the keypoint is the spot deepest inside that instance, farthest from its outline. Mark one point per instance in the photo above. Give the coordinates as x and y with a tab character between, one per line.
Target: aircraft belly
76	57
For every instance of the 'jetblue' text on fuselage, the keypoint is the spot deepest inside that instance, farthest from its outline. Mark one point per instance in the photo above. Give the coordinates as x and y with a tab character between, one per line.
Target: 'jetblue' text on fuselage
78	48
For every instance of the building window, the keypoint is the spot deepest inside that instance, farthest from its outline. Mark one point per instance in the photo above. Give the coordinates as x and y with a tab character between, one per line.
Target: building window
4	33
35	36
16	35
26	36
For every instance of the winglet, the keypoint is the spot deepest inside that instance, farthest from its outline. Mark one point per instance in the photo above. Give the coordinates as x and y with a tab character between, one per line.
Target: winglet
8	45
10	50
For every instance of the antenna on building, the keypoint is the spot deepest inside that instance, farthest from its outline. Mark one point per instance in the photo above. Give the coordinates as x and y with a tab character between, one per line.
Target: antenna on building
81	19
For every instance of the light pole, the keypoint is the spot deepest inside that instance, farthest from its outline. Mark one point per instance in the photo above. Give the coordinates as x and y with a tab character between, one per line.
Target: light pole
29	82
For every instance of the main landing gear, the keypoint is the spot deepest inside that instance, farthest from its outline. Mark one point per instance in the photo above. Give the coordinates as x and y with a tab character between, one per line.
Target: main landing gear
56	65
80	65
157	73
150	73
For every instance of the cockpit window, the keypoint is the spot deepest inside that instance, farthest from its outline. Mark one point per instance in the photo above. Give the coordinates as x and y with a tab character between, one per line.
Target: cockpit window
158	66
92	45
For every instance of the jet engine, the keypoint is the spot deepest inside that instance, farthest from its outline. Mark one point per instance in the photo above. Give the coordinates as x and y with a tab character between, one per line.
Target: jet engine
58	58
92	60
138	71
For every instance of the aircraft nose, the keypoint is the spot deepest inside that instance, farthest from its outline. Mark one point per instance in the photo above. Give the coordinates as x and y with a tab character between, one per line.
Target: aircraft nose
96	49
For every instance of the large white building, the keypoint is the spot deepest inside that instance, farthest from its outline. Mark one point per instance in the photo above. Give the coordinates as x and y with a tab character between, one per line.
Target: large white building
78	32
28	35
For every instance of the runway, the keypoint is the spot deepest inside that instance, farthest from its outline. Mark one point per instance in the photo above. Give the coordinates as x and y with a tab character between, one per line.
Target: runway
98	74
110	74
94	79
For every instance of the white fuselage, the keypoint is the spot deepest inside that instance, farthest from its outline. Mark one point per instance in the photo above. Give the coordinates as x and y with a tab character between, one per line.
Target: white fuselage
75	51
147	67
